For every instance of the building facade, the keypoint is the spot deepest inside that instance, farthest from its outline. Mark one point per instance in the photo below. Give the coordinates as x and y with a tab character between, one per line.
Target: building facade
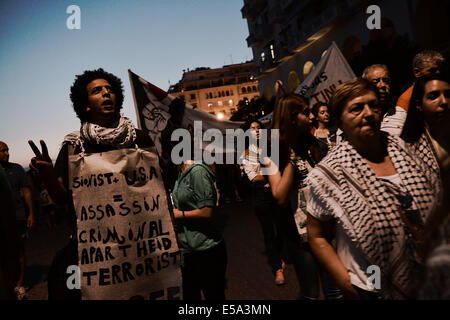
217	91
288	37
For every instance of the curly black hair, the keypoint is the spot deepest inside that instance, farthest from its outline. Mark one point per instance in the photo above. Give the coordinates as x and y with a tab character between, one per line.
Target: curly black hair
79	95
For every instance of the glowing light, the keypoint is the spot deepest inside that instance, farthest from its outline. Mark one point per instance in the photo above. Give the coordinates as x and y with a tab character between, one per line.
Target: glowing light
220	116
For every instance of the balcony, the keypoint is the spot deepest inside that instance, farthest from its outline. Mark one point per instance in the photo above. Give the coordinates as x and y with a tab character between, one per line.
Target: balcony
258	5
268	66
283	54
263	31
247	12
276	15
253	41
251	9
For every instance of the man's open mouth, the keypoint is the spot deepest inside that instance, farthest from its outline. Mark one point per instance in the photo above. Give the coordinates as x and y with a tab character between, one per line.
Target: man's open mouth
108	104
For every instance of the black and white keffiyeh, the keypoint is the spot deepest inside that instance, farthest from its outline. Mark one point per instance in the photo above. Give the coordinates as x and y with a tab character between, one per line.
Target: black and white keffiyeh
424	149
344	188
121	136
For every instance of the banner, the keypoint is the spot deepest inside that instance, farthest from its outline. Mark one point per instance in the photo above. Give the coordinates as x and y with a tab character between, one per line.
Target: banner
127	247
331	71
156	109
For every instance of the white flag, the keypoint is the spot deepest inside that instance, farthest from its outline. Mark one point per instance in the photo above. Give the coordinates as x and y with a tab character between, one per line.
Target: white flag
331	71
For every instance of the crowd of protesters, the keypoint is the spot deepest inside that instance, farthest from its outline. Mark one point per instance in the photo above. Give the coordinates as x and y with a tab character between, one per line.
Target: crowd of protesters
362	181
375	196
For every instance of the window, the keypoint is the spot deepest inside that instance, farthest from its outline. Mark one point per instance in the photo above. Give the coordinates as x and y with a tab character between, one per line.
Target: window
231	91
254	88
227	93
219	94
192	96
210	104
272	51
249	89
223	93
244	90
210	95
230	102
207	95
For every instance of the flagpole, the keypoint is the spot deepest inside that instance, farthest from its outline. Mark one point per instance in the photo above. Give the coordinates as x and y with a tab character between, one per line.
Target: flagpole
134	99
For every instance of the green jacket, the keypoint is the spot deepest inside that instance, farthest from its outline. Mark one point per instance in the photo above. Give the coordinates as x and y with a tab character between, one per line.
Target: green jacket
194	189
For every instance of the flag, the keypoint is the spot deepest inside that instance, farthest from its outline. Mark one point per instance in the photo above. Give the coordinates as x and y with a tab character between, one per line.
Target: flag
331	71
159	113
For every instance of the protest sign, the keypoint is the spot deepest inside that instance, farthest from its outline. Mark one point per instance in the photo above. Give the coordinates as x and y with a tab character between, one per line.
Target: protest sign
155	107
127	247
331	71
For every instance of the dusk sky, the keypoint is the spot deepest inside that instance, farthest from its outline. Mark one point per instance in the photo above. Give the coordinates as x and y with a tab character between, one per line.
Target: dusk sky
156	39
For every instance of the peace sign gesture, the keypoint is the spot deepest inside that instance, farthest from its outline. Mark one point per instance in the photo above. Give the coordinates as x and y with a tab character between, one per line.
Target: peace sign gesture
41	162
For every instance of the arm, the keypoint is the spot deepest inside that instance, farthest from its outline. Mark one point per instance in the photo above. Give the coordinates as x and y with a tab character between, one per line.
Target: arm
281	184
56	189
28	197
252	171
258	178
203	213
317	236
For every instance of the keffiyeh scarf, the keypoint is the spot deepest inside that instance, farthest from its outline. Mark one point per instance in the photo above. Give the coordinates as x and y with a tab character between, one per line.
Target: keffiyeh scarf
424	149
121	136
345	188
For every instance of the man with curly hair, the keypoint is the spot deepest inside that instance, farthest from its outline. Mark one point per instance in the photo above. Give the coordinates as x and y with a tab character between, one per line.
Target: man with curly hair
97	98
81	94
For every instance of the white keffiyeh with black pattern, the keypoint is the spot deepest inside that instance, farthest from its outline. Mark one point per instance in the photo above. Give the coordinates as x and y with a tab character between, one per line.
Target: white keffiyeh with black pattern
121	135
344	188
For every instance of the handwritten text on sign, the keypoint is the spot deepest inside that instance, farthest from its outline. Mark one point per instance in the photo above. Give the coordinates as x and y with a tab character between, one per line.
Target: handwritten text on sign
126	242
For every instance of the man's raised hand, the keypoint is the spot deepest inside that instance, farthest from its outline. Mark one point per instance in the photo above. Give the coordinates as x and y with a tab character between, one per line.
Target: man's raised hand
41	162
